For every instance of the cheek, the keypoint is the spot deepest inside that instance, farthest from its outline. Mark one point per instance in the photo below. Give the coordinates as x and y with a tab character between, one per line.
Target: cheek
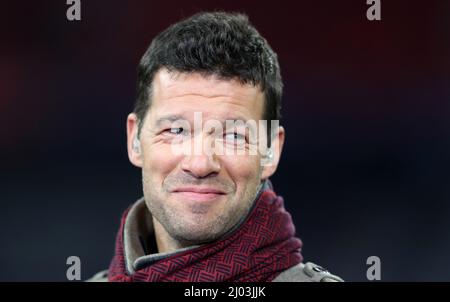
159	161
242	169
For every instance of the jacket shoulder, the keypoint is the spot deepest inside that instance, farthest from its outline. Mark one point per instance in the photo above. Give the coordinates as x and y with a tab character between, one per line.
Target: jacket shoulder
307	272
99	277
303	272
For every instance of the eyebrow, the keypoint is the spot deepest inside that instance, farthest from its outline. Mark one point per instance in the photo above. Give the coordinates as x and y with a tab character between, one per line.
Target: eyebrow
168	118
174	117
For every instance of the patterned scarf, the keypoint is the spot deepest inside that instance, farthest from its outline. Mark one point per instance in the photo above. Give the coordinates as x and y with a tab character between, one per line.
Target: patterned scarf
259	249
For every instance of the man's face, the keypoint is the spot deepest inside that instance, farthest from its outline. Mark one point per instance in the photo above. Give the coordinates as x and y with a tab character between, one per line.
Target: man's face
197	196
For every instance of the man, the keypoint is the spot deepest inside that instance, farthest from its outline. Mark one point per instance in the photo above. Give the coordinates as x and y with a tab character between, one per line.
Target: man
209	212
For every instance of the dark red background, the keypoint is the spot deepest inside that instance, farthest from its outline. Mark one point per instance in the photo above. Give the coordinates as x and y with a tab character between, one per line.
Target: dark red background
365	169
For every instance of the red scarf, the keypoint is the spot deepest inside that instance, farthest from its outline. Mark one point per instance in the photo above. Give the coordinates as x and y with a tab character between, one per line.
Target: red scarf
258	250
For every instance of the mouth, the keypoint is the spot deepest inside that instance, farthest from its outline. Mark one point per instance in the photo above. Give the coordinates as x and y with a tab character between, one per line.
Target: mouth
199	194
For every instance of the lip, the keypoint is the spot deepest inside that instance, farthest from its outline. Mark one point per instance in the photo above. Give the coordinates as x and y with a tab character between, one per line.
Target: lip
200	190
199	193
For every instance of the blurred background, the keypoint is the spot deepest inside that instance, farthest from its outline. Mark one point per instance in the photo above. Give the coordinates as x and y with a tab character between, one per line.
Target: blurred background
365	169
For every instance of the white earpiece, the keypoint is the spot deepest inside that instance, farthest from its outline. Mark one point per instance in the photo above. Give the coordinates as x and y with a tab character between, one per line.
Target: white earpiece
270	153
267	159
136	145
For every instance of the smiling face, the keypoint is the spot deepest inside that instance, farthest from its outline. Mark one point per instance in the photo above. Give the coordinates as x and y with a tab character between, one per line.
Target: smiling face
196	197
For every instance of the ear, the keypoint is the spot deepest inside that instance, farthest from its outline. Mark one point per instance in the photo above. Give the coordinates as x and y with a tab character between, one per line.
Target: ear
276	147
134	154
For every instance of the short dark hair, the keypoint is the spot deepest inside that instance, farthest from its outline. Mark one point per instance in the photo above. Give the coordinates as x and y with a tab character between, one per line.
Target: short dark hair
223	44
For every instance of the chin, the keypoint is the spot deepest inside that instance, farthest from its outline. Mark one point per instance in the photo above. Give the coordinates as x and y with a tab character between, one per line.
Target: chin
198	233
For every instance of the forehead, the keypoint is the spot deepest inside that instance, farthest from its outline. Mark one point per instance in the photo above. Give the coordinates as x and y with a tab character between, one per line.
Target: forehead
186	93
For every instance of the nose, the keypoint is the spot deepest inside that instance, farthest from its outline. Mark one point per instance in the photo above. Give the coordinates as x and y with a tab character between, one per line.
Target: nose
201	164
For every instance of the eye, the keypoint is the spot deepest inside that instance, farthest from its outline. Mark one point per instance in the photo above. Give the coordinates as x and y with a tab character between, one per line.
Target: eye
175	131
234	138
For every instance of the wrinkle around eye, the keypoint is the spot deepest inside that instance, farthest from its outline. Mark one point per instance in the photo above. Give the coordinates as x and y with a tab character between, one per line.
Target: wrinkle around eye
167	137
